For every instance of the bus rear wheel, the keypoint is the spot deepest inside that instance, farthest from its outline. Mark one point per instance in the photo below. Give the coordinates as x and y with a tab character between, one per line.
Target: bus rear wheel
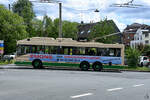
37	64
84	66
97	66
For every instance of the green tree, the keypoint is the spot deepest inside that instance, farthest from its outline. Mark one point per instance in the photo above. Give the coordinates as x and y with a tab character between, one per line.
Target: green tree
132	56
37	28
70	29
144	49
55	28
101	29
24	9
12	28
48	27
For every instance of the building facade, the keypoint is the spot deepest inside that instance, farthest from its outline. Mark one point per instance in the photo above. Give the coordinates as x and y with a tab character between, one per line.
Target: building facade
142	37
130	31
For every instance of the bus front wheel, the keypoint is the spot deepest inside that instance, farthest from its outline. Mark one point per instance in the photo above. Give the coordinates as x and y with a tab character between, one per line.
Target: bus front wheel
97	66
37	64
84	65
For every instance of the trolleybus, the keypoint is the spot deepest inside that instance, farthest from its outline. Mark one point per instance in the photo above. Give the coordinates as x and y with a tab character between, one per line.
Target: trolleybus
44	51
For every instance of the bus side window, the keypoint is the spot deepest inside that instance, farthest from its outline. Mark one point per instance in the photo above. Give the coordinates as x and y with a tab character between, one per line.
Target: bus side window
118	52
46	49
71	51
77	51
92	51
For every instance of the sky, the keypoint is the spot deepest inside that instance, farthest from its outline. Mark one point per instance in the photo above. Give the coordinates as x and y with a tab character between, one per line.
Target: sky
83	10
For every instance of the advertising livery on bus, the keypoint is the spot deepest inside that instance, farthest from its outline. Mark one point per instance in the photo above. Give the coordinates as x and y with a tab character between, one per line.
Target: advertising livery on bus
44	51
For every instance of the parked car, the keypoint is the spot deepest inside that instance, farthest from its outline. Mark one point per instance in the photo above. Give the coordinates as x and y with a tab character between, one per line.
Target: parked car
144	61
9	57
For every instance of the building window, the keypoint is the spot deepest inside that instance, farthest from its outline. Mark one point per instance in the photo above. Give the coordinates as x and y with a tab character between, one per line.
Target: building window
82	32
146	34
146	42
89	31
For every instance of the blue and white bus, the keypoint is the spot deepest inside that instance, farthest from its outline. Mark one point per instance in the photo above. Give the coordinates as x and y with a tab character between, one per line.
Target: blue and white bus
43	51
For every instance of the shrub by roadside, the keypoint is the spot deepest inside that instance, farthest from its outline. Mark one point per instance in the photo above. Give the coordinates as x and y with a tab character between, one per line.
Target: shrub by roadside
132	55
6	62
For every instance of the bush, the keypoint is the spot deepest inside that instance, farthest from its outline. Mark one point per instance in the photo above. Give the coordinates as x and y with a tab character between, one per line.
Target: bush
132	56
4	62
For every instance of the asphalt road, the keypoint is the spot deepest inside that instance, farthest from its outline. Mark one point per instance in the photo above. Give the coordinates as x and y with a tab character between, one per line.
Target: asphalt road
31	84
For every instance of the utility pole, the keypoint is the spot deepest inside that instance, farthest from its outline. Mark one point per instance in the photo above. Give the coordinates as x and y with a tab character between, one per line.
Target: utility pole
60	13
60	20
9	7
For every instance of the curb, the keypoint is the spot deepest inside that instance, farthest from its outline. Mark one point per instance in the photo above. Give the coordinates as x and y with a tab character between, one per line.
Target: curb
134	71
63	68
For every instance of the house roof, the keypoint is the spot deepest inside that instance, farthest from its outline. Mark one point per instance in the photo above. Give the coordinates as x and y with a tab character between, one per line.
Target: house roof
85	29
134	27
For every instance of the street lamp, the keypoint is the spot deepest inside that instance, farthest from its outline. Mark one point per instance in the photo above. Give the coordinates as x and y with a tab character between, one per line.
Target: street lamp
96	10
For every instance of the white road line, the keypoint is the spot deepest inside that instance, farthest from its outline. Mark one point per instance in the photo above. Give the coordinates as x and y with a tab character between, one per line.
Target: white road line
114	89
82	95
138	85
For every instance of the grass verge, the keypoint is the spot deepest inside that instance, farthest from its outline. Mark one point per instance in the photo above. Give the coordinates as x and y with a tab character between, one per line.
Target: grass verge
137	68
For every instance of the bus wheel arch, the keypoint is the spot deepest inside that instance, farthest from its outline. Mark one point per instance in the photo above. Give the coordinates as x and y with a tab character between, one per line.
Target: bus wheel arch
37	64
97	66
84	65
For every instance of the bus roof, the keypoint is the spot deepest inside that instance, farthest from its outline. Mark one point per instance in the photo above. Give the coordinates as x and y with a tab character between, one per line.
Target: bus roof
64	42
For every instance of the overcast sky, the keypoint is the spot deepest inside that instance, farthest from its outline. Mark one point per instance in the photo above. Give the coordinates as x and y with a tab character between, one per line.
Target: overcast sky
77	10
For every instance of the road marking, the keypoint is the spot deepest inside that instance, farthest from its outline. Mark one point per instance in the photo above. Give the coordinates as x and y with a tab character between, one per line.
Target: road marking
82	95
138	85
114	89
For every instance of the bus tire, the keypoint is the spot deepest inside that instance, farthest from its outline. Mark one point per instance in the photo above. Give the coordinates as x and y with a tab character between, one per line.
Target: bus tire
97	66
37	64
84	65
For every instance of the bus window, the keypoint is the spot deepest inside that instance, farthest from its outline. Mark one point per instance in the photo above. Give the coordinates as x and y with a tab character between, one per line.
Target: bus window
33	49
111	52
74	51
46	49
102	52
70	53
118	52
54	50
65	51
92	51
81	51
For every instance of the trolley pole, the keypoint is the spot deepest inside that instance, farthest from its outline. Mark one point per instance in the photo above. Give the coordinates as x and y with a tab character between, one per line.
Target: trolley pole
60	20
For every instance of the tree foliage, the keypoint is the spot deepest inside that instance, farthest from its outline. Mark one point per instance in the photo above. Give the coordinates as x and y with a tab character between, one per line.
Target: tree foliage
11	29
132	56
70	29
103	28
24	8
144	49
50	28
